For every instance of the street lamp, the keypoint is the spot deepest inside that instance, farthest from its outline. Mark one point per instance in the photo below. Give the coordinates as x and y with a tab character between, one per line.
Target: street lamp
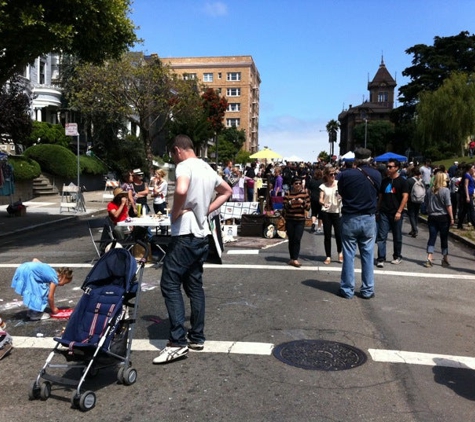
365	131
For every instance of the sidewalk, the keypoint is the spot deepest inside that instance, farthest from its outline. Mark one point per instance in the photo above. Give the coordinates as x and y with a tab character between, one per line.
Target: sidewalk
45	210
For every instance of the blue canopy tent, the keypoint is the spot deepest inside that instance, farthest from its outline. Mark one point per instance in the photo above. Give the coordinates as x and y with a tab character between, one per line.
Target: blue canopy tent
390	155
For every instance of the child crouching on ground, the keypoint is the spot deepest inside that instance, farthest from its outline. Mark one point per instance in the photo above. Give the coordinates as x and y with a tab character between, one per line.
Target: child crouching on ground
36	282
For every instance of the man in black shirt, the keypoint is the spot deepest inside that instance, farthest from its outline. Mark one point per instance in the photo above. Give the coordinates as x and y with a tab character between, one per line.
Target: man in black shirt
393	197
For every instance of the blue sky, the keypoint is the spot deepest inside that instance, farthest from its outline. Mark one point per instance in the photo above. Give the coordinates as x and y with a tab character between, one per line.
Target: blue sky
314	56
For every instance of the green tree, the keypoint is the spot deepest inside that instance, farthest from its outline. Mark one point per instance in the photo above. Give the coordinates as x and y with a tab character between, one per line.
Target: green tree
189	116
135	88
446	117
47	133
432	64
15	120
380	134
323	156
229	144
333	126
243	157
92	30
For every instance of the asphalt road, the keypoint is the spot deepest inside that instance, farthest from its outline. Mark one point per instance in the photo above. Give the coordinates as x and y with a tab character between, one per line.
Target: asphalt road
255	302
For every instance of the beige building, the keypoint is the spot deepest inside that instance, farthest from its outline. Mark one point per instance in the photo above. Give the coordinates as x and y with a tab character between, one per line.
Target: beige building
237	79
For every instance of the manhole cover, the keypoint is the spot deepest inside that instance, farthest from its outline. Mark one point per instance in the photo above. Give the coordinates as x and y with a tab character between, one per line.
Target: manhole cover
320	355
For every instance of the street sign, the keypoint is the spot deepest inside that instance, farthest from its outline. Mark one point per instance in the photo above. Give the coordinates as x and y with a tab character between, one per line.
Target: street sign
72	129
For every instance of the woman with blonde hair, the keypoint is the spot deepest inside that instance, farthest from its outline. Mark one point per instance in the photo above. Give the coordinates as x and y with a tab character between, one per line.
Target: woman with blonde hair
159	191
440	217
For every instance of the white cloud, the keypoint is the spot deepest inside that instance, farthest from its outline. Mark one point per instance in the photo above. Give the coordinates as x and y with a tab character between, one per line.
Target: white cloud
289	135
216	8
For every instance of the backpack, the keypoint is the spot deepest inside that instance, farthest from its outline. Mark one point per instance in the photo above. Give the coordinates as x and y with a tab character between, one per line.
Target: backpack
418	192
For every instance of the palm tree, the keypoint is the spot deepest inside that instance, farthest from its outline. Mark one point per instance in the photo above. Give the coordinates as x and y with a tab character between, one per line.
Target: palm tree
333	126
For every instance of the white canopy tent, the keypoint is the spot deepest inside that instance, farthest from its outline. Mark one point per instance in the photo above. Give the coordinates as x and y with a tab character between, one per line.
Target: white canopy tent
293	158
350	155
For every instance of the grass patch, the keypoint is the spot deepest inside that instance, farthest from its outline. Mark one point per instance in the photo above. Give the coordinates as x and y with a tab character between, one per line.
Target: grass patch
449	161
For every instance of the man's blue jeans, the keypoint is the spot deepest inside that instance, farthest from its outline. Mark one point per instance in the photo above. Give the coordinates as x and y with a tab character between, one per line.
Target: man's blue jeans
386	222
358	231
183	264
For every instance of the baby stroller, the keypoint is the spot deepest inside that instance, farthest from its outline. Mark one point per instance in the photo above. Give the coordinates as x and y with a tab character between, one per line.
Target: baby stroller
99	333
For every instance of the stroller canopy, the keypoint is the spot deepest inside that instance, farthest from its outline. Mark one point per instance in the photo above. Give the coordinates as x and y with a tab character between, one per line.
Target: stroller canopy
117	267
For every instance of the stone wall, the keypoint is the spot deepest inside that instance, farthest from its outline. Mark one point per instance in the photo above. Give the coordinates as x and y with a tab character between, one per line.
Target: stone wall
23	191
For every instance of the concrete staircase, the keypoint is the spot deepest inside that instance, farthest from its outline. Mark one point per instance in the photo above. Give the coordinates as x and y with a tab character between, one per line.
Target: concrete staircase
43	187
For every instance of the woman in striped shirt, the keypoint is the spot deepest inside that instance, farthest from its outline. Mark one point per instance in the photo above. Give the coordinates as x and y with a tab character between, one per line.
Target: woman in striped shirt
296	205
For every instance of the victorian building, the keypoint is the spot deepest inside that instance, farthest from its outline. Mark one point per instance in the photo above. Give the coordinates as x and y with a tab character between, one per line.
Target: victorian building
43	85
378	107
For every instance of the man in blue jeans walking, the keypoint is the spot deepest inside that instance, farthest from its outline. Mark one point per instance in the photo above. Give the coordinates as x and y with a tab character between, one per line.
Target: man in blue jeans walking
358	188
194	199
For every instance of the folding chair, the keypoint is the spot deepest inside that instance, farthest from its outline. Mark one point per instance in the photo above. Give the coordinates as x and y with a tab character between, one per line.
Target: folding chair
161	242
101	234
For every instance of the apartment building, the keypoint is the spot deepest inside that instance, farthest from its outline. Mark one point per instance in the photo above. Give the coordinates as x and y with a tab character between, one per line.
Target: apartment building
234	77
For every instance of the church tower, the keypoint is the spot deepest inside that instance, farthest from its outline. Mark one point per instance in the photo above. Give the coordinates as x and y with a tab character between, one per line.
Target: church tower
381	88
377	108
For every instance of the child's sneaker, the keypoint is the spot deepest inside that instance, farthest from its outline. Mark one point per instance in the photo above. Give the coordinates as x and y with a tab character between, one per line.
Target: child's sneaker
37	315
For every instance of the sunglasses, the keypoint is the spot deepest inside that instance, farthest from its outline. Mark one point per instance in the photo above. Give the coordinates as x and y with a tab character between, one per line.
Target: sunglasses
391	167
297	183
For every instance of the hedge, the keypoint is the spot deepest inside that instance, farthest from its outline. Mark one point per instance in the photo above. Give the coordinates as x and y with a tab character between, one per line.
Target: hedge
24	168
54	159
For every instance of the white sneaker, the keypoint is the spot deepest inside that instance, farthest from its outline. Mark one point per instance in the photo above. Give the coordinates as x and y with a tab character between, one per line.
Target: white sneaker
170	353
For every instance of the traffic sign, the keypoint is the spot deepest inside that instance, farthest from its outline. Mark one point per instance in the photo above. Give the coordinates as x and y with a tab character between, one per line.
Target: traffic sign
72	129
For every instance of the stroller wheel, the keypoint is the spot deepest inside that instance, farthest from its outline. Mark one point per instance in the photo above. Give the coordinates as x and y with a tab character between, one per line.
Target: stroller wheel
74	400
45	390
34	391
87	401
129	376
120	375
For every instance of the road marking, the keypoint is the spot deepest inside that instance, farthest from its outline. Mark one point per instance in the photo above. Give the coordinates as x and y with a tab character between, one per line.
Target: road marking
415	358
313	268
144	345
243	252
265	349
